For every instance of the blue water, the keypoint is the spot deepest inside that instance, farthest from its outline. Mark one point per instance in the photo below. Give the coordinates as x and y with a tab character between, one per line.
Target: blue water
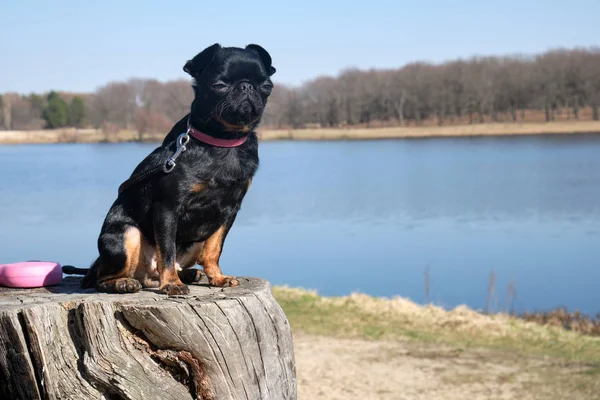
356	216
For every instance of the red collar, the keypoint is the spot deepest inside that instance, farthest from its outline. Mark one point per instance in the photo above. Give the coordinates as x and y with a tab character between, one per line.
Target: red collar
213	141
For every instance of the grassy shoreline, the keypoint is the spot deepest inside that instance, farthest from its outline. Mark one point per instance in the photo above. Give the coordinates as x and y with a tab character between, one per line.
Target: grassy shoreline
398	319
398	346
490	129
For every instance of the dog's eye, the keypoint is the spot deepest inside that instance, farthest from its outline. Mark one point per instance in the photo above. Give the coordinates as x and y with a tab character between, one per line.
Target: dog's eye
219	86
268	87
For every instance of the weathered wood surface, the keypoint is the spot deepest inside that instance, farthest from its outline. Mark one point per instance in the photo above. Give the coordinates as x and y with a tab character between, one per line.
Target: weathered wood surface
66	343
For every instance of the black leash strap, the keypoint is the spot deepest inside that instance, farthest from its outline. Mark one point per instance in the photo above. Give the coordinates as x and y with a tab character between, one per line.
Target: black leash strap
140	177
71	270
166	167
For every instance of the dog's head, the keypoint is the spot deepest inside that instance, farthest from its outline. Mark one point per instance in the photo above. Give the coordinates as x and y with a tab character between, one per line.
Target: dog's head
231	86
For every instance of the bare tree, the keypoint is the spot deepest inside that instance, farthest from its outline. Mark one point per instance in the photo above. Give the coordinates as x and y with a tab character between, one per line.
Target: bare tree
394	93
591	81
2	112
177	99
274	114
147	121
293	109
7	101
115	103
349	91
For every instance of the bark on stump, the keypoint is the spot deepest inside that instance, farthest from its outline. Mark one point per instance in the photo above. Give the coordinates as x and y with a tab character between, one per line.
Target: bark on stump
66	343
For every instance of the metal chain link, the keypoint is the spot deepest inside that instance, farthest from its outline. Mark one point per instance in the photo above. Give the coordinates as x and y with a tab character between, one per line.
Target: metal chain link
182	140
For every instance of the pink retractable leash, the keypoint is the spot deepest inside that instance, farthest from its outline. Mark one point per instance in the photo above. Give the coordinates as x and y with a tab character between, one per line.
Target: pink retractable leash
30	274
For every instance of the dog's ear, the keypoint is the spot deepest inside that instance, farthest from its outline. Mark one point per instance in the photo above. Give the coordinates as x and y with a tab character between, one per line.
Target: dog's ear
264	56
196	65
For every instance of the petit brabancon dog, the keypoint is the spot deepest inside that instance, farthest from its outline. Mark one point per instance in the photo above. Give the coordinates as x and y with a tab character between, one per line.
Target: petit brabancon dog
163	225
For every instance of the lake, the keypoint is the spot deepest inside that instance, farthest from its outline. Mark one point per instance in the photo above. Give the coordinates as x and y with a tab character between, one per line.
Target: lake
375	217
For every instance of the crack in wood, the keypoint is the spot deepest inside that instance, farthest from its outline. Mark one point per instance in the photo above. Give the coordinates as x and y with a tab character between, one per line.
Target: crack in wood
34	362
115	364
16	369
212	349
237	338
201	381
181	364
278	339
75	325
262	361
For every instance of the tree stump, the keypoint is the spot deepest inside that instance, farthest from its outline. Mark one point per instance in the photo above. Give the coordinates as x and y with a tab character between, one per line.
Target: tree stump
66	343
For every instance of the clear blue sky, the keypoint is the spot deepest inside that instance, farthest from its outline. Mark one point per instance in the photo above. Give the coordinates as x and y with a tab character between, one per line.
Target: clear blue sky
80	45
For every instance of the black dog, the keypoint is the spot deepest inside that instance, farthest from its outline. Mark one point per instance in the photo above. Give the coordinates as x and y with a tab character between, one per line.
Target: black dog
168	221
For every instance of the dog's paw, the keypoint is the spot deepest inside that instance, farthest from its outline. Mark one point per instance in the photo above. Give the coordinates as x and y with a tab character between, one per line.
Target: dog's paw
174	289
191	275
224	281
120	285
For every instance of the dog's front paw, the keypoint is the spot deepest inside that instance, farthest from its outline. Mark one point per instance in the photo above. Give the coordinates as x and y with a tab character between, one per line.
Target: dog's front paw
223	281
174	289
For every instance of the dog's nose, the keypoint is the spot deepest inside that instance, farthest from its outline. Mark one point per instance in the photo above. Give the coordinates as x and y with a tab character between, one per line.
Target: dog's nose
246	87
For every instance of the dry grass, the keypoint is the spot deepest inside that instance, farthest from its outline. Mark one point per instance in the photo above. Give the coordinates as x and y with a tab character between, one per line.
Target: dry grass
561	317
497	129
70	135
488	129
361	316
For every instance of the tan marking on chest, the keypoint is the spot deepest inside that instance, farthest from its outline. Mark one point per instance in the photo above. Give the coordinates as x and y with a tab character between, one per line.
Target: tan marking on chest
198	187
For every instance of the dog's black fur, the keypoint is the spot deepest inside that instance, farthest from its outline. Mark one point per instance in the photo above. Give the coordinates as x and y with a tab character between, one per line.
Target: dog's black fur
169	222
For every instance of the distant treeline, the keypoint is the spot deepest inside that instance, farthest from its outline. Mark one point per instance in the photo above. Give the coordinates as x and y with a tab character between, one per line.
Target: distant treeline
141	105
476	90
558	84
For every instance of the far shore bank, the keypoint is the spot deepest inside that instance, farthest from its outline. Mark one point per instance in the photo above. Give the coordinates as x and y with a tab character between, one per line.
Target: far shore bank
321	134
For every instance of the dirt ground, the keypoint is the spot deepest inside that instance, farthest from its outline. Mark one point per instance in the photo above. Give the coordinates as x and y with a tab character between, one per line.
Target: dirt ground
332	368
